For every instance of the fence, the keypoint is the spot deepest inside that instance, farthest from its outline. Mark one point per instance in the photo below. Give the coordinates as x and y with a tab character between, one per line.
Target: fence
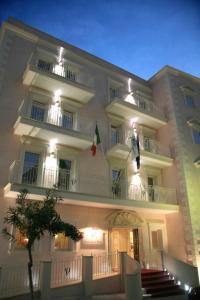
66	271
14	280
104	265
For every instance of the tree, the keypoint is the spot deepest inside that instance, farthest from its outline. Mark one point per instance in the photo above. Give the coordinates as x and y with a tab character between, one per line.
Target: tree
33	219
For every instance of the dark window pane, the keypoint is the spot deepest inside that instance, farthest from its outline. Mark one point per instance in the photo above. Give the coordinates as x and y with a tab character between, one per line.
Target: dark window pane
30	168
43	65
37	112
64	174
67	120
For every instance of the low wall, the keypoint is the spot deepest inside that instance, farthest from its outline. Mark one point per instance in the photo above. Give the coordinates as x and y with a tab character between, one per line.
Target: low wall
68	290
184	272
107	285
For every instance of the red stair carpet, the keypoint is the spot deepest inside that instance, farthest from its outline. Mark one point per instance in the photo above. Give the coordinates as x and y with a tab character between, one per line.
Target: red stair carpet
158	284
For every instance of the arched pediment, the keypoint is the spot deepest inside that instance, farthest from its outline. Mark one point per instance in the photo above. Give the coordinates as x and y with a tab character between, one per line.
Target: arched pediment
124	218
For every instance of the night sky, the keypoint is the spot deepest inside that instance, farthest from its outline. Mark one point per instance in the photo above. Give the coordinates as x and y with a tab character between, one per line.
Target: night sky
140	36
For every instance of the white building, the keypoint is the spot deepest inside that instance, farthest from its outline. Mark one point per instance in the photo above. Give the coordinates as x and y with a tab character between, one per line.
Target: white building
52	94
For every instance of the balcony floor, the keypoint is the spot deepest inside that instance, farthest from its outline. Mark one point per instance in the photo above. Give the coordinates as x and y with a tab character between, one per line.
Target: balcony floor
122	151
52	82
128	111
46	131
74	198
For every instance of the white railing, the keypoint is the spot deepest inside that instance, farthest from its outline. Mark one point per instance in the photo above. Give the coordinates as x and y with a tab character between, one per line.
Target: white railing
63	179
105	265
61	70
15	281
65	70
153	260
155	194
66	271
154	146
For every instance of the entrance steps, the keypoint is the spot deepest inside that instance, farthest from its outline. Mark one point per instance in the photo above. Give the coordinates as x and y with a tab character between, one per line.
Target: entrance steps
158	284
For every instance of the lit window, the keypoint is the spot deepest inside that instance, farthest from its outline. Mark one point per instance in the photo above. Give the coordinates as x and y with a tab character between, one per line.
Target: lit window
61	242
196	136
20	240
189	101
157	239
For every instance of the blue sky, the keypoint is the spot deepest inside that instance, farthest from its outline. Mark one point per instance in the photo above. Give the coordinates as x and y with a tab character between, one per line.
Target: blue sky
140	36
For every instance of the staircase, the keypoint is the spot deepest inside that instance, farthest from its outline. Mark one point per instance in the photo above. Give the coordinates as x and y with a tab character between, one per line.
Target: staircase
158	284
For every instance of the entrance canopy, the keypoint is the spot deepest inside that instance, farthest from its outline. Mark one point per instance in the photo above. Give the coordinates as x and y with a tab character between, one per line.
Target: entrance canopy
124	218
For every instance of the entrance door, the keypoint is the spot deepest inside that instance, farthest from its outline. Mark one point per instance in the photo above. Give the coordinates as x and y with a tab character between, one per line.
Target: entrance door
126	239
151	181
64	174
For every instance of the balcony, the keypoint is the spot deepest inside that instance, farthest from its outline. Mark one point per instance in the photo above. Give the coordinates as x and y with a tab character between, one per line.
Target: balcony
53	77
49	124
88	191
152	153
137	107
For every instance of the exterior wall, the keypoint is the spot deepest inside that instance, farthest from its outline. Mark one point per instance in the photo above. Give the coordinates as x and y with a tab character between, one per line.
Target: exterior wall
185	153
93	174
84	217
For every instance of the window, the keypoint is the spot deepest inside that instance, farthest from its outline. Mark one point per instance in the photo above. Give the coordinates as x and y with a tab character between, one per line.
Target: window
37	111
43	65
189	101
64	174
20	240
115	135
116	184
196	136
114	92
157	239
67	120
30	168
61	242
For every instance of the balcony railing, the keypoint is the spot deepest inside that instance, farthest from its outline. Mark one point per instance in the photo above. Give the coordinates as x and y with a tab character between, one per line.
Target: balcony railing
66	70
141	102
51	114
32	174
154	146
61	70
63	179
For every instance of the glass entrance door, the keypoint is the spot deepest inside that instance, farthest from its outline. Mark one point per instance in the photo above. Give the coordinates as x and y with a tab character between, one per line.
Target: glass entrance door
64	174
126	239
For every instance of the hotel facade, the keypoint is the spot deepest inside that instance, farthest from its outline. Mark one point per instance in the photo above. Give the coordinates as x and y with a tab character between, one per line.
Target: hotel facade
52	96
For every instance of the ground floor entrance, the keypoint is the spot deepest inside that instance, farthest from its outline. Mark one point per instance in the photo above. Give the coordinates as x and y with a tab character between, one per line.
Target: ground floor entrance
126	239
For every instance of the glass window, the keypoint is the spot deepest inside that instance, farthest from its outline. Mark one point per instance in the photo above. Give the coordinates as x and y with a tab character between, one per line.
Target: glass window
196	136
114	92
43	65
67	120
61	242
20	240
30	168
116	186
189	101
64	174
115	135
157	239
37	111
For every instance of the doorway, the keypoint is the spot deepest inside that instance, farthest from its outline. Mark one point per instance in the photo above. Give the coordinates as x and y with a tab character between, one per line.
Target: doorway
126	239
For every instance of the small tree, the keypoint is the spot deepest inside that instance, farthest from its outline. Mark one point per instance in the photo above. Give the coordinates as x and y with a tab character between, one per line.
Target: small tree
33	219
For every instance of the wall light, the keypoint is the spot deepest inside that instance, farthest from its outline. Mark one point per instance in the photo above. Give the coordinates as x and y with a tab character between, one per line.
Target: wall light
93	235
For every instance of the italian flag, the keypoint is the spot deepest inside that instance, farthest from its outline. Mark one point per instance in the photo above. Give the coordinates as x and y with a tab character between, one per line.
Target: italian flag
96	141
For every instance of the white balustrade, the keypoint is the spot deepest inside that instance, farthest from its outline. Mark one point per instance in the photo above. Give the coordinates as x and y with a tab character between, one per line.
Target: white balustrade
66	271
104	265
14	280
